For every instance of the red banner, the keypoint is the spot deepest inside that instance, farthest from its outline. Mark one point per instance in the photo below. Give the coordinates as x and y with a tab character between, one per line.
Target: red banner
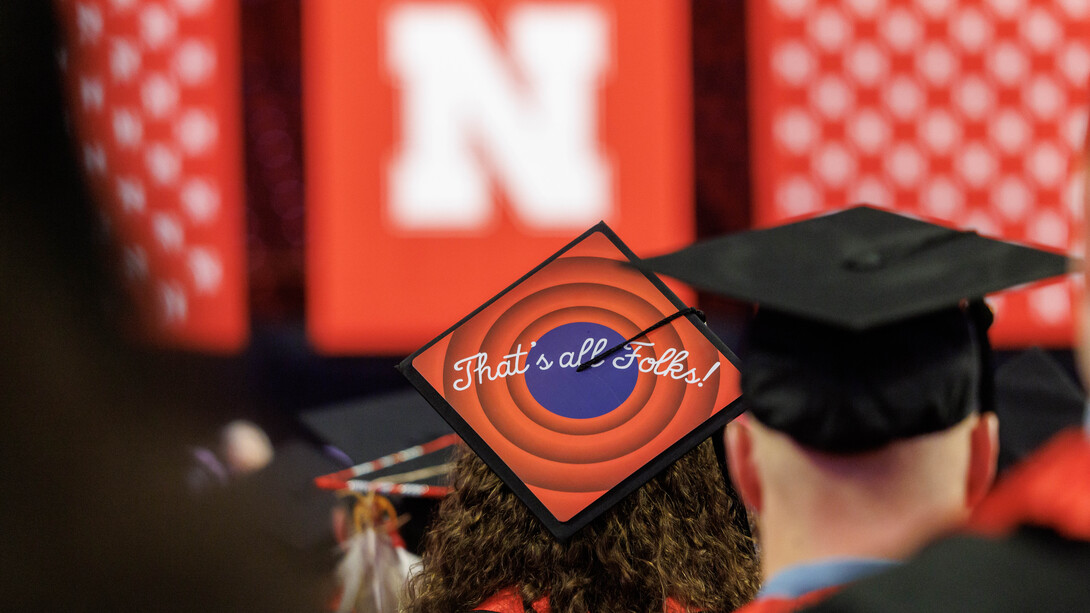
968	112
450	144
154	95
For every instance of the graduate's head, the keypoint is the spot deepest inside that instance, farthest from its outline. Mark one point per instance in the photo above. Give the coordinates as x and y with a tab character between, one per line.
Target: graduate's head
868	362
588	482
888	429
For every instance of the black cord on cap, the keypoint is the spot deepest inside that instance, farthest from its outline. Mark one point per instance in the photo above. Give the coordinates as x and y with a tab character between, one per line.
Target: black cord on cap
662	322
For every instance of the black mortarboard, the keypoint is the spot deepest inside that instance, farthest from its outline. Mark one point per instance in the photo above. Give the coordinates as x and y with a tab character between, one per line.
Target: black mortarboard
377	426
863	335
857	268
373	427
1035	398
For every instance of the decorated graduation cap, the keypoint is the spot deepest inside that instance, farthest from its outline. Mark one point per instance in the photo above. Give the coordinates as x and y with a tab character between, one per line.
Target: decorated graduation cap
580	381
870	324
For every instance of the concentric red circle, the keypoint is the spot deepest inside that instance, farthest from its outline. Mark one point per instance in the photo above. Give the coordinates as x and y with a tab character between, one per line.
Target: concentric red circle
581	455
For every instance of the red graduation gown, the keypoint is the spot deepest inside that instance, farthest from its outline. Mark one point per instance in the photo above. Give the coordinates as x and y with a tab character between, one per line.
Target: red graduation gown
1051	490
775	604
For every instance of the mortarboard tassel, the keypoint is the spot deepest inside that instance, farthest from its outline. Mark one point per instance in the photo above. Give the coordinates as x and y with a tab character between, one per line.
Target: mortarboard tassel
371	572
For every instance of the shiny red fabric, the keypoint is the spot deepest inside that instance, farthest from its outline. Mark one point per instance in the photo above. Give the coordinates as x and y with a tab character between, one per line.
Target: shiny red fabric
785	605
509	601
1051	490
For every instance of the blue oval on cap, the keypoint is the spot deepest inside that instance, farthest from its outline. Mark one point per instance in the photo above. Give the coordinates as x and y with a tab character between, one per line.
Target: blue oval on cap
578	395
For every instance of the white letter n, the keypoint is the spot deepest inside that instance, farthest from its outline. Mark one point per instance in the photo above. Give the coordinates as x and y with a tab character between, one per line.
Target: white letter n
529	117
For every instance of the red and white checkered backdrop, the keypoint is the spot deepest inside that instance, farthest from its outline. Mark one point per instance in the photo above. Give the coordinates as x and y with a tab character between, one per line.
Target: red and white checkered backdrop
971	112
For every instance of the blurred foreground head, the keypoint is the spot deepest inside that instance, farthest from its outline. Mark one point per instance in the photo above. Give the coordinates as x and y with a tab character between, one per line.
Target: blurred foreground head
95	513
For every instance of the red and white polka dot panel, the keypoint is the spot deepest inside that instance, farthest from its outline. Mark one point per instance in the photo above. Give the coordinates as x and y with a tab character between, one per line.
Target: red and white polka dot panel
154	98
971	112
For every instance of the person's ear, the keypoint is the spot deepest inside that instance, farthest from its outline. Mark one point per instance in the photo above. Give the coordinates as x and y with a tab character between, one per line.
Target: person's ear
983	455
741	464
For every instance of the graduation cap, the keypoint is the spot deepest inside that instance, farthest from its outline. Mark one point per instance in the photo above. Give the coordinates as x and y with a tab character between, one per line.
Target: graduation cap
580	381
393	444
1036	398
870	326
381	426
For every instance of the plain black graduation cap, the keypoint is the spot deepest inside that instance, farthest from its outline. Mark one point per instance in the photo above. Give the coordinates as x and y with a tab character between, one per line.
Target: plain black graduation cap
1036	398
870	326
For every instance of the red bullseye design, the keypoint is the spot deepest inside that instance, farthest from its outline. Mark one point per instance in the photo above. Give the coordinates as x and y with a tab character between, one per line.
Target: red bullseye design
570	461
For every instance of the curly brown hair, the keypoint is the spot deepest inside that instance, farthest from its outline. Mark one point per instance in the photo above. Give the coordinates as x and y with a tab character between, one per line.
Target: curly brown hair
678	536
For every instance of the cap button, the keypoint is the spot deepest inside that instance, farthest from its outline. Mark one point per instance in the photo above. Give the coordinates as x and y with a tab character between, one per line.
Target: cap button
864	261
